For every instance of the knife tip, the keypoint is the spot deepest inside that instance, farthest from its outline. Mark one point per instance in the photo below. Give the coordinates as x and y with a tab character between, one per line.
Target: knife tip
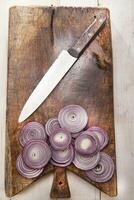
20	119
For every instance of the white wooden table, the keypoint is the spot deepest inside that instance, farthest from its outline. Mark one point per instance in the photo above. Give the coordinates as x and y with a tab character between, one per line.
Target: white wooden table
122	19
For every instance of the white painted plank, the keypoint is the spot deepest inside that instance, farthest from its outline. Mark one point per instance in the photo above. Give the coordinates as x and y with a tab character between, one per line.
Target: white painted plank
83	3
32	2
3	72
122	17
38	190
81	190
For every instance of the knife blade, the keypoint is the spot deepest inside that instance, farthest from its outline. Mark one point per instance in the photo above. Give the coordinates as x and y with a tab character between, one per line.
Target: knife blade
59	68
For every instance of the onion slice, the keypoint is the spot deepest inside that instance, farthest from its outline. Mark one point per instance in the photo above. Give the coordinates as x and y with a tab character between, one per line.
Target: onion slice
100	134
62	164
61	139
75	135
86	162
31	131
36	154
104	171
73	118
63	156
25	171
86	144
52	125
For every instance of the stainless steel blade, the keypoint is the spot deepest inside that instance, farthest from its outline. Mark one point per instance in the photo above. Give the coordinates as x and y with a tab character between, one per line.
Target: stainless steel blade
49	81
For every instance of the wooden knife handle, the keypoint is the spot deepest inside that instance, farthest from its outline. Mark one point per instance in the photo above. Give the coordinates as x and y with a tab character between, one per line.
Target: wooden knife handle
89	34
60	187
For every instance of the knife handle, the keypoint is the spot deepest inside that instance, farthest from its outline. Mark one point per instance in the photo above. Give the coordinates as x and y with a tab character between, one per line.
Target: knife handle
89	34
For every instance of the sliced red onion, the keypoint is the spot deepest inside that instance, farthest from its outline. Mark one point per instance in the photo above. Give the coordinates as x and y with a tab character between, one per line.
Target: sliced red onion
86	162
52	125
36	154
73	118
73	141
63	156
61	139
101	134
62	164
104	171
32	130
86	144
25	171
75	135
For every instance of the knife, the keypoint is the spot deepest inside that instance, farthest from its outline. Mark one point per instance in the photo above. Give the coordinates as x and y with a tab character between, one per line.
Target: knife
60	67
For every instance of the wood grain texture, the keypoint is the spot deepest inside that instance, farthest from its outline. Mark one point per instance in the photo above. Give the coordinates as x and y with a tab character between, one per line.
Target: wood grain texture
37	35
88	36
60	187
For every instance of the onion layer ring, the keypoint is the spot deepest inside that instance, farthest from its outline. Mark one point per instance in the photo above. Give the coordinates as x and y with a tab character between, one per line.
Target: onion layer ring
25	171
104	171
63	156
86	144
73	118
62	164
32	131
86	162
52	125
102	136
36	154
61	139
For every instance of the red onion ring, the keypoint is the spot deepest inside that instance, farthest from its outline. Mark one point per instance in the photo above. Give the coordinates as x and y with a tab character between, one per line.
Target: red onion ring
25	171
36	154
104	171
63	156
62	164
32	130
52	125
61	139
73	118
86	144
75	135
86	162
101	135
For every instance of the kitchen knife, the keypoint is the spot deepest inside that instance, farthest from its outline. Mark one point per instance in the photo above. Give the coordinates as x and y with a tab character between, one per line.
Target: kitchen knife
60	67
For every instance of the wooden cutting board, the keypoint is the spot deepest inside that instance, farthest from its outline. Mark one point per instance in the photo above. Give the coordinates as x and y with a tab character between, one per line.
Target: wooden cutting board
36	37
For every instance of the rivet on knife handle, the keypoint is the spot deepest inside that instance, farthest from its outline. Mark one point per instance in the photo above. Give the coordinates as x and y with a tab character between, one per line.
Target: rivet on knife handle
87	36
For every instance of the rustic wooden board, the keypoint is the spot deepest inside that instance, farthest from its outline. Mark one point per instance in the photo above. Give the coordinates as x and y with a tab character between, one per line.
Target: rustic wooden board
36	37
